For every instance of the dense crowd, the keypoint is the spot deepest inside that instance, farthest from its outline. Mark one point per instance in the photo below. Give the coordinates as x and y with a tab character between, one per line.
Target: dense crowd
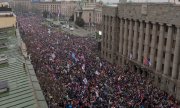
72	75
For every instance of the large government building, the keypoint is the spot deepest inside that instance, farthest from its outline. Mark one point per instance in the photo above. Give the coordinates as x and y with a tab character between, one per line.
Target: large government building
147	37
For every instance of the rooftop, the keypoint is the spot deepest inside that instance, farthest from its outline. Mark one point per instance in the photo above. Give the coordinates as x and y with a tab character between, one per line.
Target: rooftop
24	90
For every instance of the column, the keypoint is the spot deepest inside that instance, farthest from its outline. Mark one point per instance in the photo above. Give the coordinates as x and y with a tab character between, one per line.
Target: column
176	55
146	48
130	38
168	51
153	44
178	86
140	42
121	37
113	40
160	49
110	41
135	39
179	73
106	28
103	36
125	38
109	34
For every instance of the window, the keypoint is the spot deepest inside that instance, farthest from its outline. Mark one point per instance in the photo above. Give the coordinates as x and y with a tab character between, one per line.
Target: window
150	38
165	40
157	40
116	57
162	66
174	87
172	57
173	44
158	27
155	64
166	28
149	49
156	53
170	71
159	79
164	54
151	26
110	46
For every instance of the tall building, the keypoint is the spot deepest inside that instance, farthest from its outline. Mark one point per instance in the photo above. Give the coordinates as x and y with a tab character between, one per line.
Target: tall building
147	37
7	17
91	12
19	87
53	7
175	1
64	8
22	5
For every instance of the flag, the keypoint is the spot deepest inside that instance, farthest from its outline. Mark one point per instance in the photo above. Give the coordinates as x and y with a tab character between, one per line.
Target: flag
58	12
83	67
53	56
100	64
97	73
149	62
145	61
85	81
73	56
82	57
130	56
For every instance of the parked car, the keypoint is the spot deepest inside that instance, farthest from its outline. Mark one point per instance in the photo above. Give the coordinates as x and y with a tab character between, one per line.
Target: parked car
64	26
67	26
71	28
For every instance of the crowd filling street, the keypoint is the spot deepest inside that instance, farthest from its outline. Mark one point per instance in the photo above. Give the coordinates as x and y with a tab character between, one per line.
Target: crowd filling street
72	75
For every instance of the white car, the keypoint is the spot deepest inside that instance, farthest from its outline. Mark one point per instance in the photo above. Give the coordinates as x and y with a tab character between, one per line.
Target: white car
67	26
64	26
72	29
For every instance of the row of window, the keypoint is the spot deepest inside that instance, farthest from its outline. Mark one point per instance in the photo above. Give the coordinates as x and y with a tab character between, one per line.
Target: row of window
107	41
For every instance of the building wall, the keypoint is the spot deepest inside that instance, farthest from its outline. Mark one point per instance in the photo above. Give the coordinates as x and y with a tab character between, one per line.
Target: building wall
91	12
175	1
133	33
25	3
7	22
88	16
66	8
48	6
98	16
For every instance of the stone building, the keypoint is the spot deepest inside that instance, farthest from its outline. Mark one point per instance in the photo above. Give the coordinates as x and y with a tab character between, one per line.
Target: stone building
21	5
65	8
91	12
147	37
7	17
53	7
175	1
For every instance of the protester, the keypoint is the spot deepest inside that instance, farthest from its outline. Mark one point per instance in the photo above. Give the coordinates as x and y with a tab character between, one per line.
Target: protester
72	75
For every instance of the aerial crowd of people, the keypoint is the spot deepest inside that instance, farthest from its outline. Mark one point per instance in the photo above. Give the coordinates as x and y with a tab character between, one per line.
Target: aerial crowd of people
73	75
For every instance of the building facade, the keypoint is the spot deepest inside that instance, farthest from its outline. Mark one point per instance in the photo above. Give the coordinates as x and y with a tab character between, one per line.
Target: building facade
7	17
64	8
21	5
53	7
175	1
91	12
147	37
